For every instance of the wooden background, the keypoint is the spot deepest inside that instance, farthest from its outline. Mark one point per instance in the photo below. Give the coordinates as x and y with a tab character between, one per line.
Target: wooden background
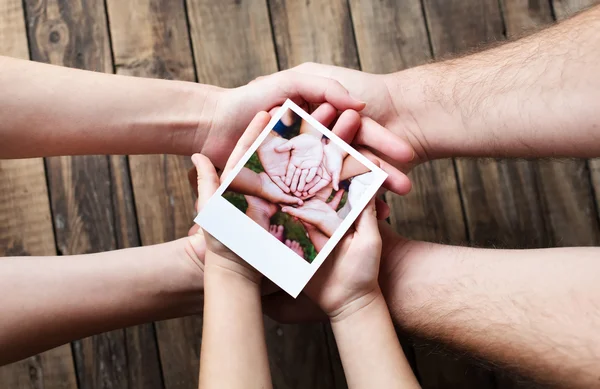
73	205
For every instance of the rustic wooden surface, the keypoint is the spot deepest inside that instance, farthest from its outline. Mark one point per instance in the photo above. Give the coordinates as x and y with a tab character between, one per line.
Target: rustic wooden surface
72	205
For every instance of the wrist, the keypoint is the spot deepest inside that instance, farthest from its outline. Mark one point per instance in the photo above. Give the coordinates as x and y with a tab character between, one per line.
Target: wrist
230	271
422	98
357	306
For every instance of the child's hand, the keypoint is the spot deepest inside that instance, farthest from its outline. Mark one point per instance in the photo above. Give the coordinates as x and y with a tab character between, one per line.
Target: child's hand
218	254
347	281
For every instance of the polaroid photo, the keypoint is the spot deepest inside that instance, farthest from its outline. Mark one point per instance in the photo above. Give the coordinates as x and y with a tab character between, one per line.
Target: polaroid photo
278	209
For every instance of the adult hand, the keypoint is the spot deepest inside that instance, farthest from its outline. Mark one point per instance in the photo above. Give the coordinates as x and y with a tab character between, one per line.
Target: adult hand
391	132
306	156
275	163
333	159
234	108
317	213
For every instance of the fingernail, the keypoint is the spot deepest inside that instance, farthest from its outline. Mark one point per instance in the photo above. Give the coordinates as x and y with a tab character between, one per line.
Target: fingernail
358	100
196	159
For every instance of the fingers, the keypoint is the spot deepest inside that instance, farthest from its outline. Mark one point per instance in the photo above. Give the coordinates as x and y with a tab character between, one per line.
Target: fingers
295	212
315	89
325	114
302	181
252	132
311	174
397	181
337	198
287	199
366	223
287	146
295	179
289	175
279	182
193	229
382	140
335	179
208	181
347	125
318	186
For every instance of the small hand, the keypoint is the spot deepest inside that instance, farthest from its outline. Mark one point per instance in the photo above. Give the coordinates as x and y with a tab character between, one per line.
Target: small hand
317	238
333	159
261	211
306	156
348	278
274	162
273	193
322	179
317	213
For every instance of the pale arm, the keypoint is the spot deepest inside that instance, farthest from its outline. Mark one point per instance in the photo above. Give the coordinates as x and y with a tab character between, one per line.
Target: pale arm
49	301
50	110
234	351
533	311
369	348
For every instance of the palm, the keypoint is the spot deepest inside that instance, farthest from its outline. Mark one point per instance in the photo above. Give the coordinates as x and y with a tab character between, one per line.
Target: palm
352	269
307	152
317	213
274	163
273	193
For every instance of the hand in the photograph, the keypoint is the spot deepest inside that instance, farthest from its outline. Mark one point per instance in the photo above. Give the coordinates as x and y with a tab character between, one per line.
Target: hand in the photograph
317	213
268	190
306	156
275	163
333	160
318	238
261	211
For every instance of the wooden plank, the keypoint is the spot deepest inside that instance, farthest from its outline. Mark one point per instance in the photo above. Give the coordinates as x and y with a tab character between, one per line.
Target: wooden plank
90	195
26	224
392	36
565	8
232	45
150	39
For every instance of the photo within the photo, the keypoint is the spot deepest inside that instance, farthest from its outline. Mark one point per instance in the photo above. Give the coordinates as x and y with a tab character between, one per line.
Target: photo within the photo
299	186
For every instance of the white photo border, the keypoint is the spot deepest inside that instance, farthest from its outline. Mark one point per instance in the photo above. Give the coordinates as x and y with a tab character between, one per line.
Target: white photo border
271	257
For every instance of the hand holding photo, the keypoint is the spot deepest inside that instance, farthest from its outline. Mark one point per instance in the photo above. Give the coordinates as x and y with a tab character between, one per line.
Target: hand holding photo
291	198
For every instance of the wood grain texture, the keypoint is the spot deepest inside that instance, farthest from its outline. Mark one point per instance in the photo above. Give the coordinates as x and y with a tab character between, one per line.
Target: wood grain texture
90	195
317	30
524	16
392	36
150	39
232	41
565	8
26	224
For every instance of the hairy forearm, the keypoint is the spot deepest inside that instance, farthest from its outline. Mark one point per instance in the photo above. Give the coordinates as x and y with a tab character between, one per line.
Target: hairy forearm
535	97
49	301
533	311
234	351
49	110
369	348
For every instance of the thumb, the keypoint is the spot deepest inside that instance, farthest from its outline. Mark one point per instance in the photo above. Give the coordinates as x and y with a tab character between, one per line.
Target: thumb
208	181
287	146
335	180
337	198
366	224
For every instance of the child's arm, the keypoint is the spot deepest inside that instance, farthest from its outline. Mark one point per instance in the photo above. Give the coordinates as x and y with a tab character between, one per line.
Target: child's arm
346	289
234	351
49	301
